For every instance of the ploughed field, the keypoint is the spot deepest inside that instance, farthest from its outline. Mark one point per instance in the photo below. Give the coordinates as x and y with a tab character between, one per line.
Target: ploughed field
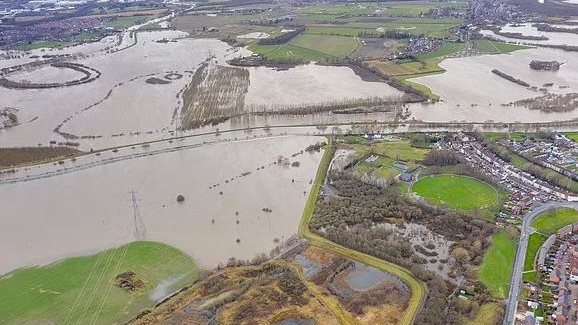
458	192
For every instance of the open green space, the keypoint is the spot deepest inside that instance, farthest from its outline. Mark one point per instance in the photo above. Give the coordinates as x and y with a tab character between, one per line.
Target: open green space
489	314
448	48
127	21
333	45
572	136
530	276
339	10
288	52
496	269
549	223
400	150
494	47
83	290
535	241
457	192
43	44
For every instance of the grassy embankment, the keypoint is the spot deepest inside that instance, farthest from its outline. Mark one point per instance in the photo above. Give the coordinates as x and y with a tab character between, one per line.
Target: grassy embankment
82	289
418	288
545	225
496	269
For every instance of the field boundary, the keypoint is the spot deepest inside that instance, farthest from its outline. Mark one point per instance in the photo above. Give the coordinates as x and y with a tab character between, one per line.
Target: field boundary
418	288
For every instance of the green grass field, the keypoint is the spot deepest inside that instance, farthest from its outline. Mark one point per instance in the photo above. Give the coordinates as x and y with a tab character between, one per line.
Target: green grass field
496	269
530	276
332	45
457	192
489	314
127	21
572	135
447	49
534	242
550	223
494	47
81	290
44	44
288	51
400	150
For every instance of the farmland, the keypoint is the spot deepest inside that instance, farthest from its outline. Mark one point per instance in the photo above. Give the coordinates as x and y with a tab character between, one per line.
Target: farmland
458	192
87	285
496	268
13	157
215	92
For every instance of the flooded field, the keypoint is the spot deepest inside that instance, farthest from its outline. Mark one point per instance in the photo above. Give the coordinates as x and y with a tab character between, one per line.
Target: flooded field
527	29
48	74
90	210
469	82
309	84
123	106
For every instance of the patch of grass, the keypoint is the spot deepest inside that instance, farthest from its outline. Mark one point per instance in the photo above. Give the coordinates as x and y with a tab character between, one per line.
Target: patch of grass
338	10
288	51
488	314
43	44
82	289
127	21
422	89
494	47
551	222
338	30
400	150
496	269
530	277
572	136
448	48
332	45
535	241
457	192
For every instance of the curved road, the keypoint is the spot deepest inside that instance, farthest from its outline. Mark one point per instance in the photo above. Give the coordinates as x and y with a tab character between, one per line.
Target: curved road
516	280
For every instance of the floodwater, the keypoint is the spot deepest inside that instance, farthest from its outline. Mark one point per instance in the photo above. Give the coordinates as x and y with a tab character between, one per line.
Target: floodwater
470	80
122	74
554	38
120	102
48	74
365	278
309	84
90	210
300	321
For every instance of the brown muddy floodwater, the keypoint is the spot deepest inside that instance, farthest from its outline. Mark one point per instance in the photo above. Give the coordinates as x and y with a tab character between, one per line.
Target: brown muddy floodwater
91	210
309	84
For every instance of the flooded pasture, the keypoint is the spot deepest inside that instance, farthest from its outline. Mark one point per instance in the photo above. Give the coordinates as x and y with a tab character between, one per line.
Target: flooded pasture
90	210
309	84
469	83
553	38
121	107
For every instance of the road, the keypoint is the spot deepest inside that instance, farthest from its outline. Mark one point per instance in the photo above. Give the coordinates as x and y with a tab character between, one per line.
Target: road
516	280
